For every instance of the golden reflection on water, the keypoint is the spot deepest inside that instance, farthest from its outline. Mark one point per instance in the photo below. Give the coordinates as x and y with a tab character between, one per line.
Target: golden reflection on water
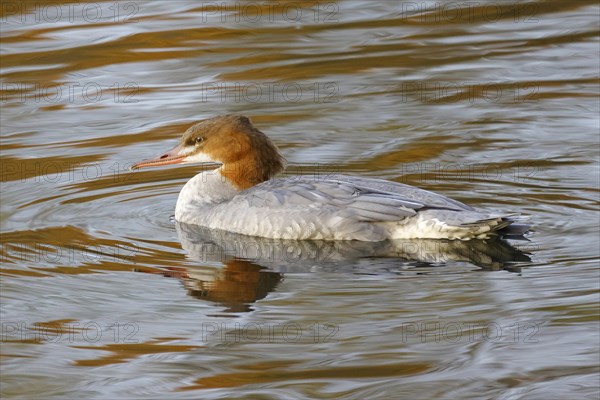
71	244
496	106
120	353
261	373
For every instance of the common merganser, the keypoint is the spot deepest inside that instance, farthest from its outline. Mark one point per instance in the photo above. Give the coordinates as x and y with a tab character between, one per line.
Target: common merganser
242	195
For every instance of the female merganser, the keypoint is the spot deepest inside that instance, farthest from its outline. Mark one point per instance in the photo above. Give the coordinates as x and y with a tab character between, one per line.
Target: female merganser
241	195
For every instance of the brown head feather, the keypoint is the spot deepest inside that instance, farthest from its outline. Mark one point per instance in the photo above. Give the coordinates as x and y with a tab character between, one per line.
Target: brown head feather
248	155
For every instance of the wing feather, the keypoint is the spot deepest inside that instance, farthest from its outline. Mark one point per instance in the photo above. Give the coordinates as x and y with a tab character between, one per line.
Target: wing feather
336	197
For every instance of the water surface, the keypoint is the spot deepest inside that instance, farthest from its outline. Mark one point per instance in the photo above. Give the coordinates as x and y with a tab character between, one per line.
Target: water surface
492	103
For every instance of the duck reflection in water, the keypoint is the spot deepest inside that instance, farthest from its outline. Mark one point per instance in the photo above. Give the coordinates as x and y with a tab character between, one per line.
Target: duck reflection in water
235	285
237	270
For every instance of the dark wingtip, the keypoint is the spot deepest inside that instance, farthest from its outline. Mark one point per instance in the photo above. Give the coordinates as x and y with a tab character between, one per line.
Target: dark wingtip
515	230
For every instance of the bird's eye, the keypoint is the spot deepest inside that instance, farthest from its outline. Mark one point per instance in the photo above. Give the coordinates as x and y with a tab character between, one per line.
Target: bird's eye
199	140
